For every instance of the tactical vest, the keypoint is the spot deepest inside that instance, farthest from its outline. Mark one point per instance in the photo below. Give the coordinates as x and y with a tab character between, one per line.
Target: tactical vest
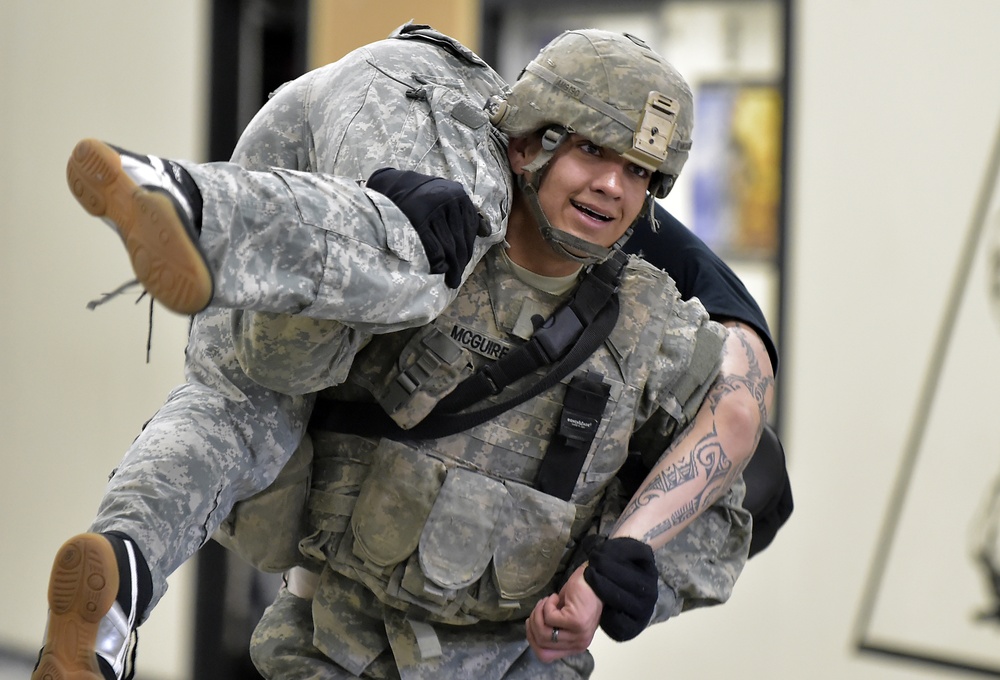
455	527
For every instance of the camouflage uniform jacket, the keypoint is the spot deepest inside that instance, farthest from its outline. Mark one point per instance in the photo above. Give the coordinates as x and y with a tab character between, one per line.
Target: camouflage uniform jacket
300	234
294	231
453	530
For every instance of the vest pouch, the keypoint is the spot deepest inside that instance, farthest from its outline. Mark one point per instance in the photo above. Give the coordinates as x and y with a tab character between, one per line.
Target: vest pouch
335	485
429	368
534	536
394	502
264	530
458	540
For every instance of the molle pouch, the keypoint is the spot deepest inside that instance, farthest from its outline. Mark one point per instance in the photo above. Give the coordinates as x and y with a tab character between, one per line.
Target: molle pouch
264	530
458	540
534	535
394	502
334	493
429	368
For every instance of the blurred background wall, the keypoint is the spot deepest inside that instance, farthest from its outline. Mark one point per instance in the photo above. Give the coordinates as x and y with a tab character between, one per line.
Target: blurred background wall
893	115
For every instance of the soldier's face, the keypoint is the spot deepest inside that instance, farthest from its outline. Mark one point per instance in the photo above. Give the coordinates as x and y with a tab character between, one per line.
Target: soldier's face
588	190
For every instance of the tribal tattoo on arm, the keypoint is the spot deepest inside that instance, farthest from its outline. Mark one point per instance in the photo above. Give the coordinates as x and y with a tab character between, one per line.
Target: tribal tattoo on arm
707	465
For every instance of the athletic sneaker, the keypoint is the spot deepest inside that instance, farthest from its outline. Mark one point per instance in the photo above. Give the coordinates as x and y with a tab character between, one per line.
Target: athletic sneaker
98	589
155	207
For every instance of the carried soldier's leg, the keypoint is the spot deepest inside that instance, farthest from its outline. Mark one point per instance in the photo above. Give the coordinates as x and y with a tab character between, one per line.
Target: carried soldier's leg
276	240
218	439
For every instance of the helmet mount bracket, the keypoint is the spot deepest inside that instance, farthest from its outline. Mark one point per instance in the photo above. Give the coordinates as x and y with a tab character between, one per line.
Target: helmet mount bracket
654	132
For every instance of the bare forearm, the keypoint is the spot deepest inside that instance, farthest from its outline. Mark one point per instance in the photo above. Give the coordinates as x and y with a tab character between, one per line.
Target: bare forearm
706	458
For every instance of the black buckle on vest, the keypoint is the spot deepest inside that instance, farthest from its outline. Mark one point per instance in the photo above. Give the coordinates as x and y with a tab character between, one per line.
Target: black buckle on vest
437	349
559	332
495	385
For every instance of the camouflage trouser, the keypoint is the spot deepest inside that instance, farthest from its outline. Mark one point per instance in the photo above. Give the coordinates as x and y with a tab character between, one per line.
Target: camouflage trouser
283	647
294	242
219	438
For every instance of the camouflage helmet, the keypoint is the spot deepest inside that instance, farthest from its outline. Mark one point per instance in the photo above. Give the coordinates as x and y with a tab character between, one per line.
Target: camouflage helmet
611	88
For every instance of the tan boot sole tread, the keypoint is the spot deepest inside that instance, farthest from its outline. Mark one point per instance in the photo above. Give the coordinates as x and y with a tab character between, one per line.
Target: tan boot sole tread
164	257
82	588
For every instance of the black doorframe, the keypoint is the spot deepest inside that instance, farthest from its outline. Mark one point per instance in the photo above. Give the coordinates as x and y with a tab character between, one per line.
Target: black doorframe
256	45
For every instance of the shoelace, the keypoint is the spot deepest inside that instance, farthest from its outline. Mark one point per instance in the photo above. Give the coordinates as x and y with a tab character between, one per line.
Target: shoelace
107	297
120	290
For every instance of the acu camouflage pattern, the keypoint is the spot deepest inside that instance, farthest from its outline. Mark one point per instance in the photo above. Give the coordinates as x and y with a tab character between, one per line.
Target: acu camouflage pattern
264	530
617	69
283	645
284	240
452	532
219	438
288	226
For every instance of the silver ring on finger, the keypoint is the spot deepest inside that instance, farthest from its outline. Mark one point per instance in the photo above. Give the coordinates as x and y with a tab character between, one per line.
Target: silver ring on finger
555	635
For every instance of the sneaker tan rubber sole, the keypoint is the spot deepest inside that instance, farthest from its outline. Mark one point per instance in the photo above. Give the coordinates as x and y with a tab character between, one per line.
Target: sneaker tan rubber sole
164	256
82	588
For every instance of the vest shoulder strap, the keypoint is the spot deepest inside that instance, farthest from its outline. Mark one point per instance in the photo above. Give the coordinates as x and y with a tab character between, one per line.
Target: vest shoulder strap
565	341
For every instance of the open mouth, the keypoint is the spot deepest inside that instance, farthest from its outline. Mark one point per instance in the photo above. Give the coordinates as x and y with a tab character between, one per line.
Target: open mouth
591	212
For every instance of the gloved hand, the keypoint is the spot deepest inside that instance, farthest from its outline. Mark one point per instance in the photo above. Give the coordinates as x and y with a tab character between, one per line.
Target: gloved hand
622	572
442	214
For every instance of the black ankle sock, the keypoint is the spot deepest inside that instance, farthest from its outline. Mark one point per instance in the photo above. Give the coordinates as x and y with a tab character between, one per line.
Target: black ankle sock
106	670
183	177
143	578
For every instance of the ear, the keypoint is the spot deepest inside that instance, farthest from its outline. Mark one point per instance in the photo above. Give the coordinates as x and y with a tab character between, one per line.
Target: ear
521	151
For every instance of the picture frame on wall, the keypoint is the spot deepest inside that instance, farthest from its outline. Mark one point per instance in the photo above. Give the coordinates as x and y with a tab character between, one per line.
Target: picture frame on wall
736	174
933	591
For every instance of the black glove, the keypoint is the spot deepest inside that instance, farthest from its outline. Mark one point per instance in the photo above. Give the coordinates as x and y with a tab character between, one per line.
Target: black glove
442	214
622	572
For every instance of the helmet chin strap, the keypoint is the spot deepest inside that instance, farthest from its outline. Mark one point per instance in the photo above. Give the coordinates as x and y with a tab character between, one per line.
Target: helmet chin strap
565	244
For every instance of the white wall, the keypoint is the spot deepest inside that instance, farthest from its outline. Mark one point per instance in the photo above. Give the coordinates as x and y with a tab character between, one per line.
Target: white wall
895	110
75	385
895	107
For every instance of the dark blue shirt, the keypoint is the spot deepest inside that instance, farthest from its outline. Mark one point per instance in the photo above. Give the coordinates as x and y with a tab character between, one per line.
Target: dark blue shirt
699	273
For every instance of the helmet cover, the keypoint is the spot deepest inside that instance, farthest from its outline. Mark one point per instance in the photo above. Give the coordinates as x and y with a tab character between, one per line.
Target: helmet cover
605	86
